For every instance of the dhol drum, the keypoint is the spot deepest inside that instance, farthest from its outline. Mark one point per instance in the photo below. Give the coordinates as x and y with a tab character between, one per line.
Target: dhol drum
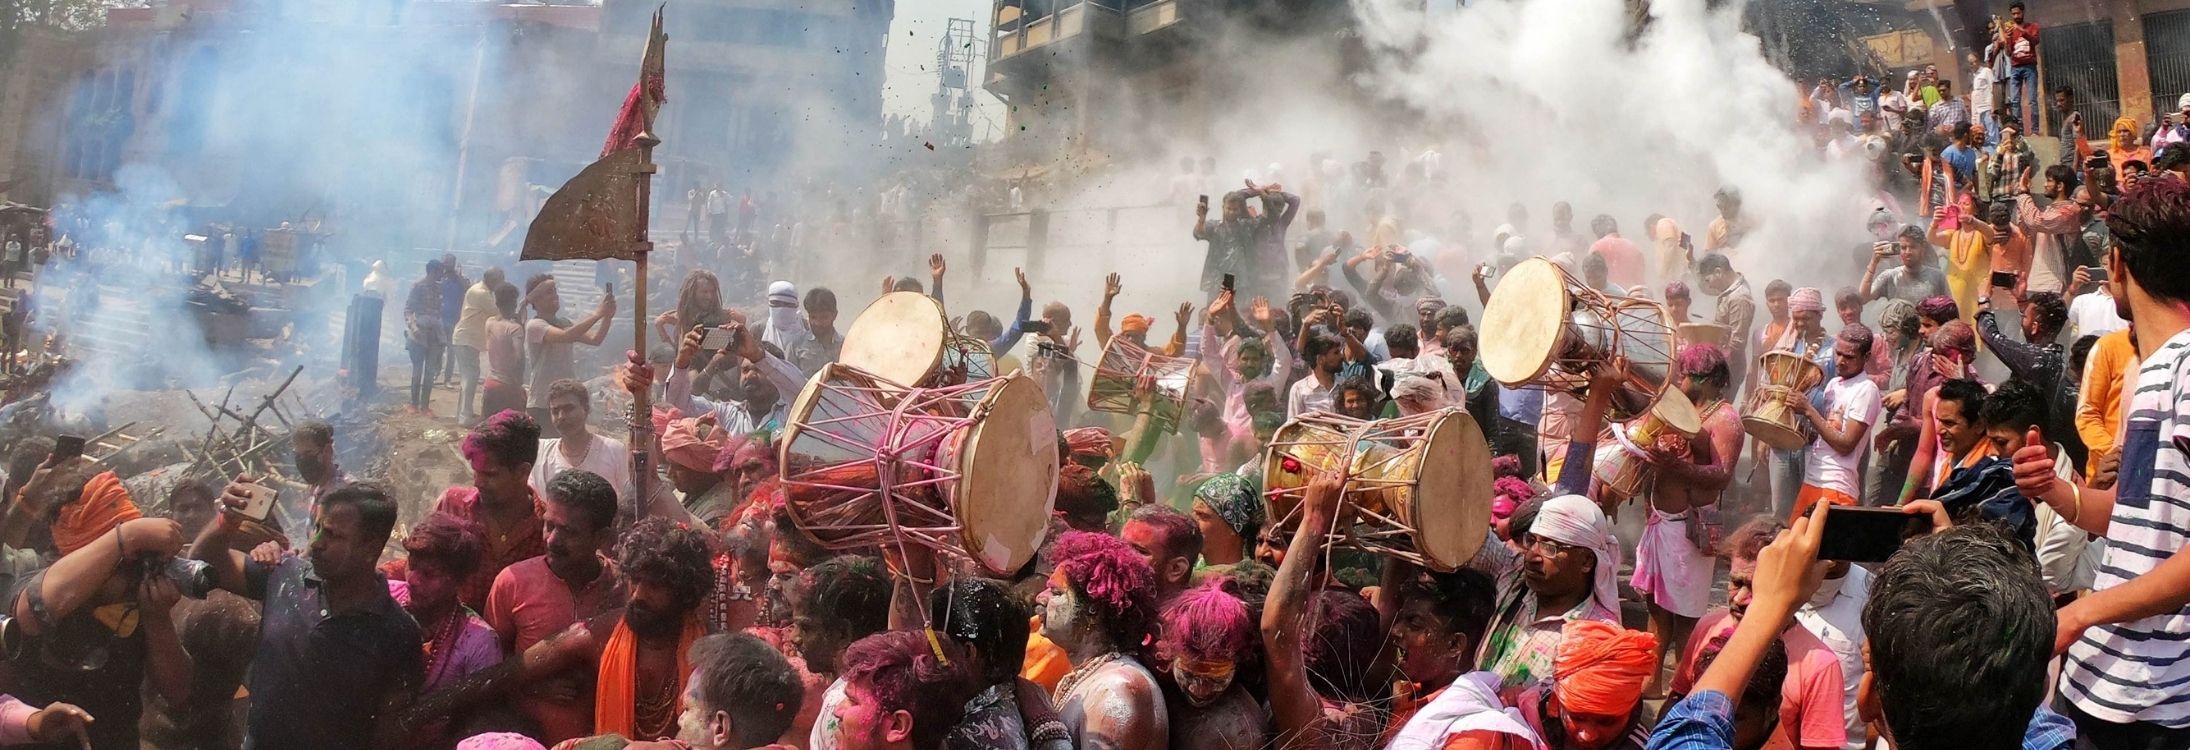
967	470
904	339
1417	488
1545	329
1765	415
1123	363
1625	463
1705	333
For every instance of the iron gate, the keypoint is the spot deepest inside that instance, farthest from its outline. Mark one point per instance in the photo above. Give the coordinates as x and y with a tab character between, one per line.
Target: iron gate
2081	57
2167	52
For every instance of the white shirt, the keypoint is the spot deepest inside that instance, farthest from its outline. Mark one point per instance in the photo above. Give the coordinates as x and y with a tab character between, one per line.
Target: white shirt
1980	93
823	736
1835	616
605	456
2067	557
2092	314
1306	396
2122	673
1847	401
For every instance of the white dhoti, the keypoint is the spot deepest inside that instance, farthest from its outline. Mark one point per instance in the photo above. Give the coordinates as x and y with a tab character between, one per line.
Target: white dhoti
1669	569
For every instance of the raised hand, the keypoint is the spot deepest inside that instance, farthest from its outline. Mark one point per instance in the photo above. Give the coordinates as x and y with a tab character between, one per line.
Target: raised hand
1261	311
1025	292
1221	304
936	266
1186	313
1112	286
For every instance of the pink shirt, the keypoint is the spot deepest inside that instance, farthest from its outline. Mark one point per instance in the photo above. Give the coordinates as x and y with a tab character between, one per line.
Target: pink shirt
527	605
1810	707
1623	261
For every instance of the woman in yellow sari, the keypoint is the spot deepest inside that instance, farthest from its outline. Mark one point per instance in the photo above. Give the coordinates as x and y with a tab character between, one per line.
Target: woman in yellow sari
1968	242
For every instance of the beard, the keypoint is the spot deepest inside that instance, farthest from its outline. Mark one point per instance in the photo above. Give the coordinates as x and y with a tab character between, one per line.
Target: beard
648	622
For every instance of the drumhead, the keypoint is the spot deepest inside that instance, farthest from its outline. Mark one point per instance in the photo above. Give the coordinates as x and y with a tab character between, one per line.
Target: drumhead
1524	322
1452	493
1676	411
899	338
1706	333
1008	477
1298	450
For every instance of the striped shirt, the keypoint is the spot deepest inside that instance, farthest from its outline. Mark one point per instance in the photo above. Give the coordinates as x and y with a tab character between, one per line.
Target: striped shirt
2139	671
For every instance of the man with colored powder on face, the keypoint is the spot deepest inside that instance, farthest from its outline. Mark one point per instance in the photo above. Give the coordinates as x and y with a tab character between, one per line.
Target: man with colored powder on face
1954	435
1593	700
1812	709
642	651
1569	571
573	582
741	695
988	622
500	499
443	552
903	693
1436	622
1099	607
1206	637
1169	541
689	447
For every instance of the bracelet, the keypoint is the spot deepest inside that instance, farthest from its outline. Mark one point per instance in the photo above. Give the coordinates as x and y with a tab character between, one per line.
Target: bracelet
1050	730
2077	494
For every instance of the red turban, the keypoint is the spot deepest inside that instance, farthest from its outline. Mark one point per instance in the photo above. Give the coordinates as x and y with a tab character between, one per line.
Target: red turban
1601	667
102	506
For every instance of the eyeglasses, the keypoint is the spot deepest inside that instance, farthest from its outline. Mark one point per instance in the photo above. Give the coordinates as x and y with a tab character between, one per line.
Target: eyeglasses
1545	547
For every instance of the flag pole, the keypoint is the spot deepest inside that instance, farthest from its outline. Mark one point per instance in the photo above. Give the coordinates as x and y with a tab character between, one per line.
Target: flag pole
642	410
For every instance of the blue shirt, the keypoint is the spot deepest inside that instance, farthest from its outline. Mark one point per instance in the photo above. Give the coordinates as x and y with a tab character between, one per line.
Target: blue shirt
1964	161
1705	721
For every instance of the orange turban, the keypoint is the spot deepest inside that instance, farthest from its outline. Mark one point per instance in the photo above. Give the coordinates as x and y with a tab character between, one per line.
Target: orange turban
102	506
1135	324
692	443
1601	667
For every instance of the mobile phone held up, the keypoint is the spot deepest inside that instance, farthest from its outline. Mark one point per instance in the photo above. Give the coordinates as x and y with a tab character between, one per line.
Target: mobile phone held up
2003	280
1035	326
66	447
716	339
1868	535
1228	281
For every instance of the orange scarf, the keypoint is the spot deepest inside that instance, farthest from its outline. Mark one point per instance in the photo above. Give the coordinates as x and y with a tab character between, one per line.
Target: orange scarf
616	689
102	506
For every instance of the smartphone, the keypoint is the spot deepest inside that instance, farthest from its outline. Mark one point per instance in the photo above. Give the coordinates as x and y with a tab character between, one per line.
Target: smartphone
609	289
1868	535
716	340
1035	326
66	447
261	504
1228	282
2003	280
1202	201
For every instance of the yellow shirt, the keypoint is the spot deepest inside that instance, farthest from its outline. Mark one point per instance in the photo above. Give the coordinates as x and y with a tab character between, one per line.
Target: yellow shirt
2099	404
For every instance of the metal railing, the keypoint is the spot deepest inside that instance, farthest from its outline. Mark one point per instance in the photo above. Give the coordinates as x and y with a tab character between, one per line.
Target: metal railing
2081	56
2167	56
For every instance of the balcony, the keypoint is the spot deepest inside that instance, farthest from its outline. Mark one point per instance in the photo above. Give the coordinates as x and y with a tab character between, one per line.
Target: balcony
1024	26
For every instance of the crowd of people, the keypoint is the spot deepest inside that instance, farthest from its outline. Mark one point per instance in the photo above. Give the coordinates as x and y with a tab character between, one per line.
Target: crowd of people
557	600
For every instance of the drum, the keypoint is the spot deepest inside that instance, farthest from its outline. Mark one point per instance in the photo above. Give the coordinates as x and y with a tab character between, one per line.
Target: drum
1123	363
1705	333
1417	488
1545	329
904	339
967	470
1624	465
1765	415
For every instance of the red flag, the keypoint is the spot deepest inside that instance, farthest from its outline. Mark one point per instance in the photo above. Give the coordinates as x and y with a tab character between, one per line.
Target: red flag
646	97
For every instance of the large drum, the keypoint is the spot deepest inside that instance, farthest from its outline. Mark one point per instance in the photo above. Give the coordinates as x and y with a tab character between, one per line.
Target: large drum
1765	415
1417	488
1545	329
1705	333
1625	463
1123	363
904	339
968	470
